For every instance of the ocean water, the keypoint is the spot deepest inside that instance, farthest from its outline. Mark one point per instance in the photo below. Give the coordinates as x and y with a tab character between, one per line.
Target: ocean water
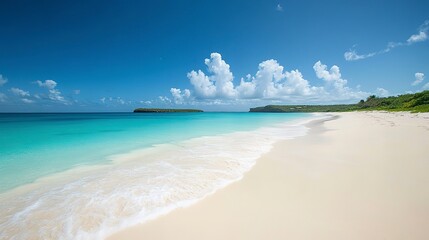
85	176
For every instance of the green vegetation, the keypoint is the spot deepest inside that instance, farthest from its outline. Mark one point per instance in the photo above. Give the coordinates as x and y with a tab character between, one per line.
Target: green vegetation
417	102
164	110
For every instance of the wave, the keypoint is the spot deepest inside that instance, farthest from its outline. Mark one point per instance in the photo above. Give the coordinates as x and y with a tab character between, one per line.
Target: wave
92	202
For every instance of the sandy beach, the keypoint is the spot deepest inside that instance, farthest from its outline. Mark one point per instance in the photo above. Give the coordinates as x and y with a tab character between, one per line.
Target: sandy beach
361	175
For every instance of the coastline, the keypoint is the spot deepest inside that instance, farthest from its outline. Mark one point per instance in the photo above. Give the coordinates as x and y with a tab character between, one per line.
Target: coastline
138	186
361	176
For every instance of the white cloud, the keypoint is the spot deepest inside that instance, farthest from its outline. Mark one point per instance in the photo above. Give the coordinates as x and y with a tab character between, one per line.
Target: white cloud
26	100
279	8
180	97
297	85
218	84
331	77
269	73
322	72
3	97
20	92
426	86
352	55
247	88
114	101
54	94
49	84
382	92
421	36
164	99
76	91
222	76
335	87
2	80
270	83
263	84
202	85
419	77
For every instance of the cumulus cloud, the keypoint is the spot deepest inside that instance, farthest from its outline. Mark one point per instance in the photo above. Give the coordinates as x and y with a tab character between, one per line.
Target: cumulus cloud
382	92
178	96
3	80
420	36
419	77
426	86
279	8
271	82
20	92
54	94
267	79
332	77
49	84
202	85
218	84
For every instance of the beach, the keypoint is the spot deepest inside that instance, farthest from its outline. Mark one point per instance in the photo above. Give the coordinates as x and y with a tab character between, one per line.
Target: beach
360	175
89	175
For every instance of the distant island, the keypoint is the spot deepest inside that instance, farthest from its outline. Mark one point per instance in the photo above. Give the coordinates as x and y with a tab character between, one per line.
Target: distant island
164	110
417	102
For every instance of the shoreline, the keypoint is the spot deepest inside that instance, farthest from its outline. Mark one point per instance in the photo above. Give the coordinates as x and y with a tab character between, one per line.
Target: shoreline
357	177
95	188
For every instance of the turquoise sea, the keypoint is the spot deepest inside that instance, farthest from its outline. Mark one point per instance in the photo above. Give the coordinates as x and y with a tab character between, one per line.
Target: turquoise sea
113	170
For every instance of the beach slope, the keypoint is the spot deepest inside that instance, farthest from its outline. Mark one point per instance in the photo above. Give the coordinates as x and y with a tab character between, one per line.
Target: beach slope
359	176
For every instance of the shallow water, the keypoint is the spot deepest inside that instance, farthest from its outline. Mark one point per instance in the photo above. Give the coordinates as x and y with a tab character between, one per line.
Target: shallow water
85	176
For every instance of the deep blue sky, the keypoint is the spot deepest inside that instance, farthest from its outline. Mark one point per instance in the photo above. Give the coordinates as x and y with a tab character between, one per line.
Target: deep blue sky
136	51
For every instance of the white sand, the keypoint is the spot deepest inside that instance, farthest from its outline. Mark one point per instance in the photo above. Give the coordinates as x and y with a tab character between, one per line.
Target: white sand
361	176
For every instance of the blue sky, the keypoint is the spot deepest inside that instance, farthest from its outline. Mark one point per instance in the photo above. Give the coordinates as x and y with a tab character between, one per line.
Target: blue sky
60	56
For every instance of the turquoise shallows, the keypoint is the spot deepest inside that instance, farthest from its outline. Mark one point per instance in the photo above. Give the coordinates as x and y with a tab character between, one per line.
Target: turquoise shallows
37	145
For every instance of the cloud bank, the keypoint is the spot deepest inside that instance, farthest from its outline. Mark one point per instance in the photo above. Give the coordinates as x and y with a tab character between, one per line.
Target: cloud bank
270	82
420	36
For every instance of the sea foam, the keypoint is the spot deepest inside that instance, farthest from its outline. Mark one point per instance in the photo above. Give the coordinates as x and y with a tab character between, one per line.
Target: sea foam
92	202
